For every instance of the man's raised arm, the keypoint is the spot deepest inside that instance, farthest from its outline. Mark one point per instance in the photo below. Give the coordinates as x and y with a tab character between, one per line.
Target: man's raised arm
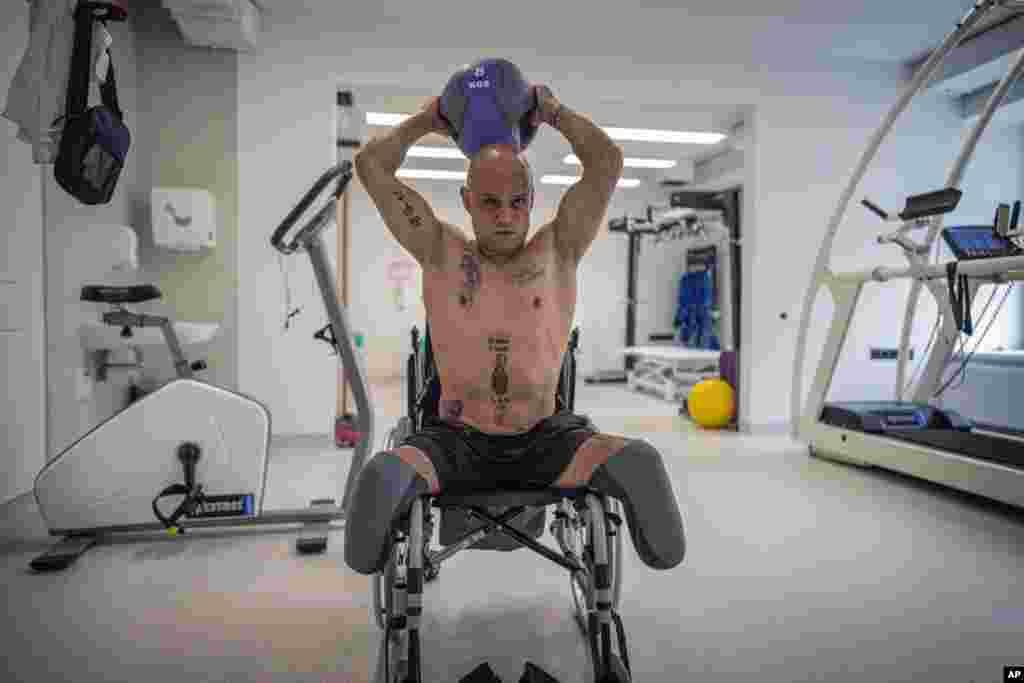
583	207
406	214
389	150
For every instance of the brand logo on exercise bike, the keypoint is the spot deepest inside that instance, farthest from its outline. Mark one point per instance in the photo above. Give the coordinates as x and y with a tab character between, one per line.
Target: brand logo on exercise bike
227	505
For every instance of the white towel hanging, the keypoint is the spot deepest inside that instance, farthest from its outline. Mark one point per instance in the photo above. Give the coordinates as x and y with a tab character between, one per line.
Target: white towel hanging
38	92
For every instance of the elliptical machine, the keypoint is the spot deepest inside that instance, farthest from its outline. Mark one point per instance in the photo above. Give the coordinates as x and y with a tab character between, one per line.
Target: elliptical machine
196	441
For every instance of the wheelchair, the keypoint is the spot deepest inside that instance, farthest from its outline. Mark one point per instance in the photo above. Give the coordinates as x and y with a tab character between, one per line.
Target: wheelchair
586	526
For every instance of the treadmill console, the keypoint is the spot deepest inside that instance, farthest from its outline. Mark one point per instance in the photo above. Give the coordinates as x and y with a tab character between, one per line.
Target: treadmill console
970	242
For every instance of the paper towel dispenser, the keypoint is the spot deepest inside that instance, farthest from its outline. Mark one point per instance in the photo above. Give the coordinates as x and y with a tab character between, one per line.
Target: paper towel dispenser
184	219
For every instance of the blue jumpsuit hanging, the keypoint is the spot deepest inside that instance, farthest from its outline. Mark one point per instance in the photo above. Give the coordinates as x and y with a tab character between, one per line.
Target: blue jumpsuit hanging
693	314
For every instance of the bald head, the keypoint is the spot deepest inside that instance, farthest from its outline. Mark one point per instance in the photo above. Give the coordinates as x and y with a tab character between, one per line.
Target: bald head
497	165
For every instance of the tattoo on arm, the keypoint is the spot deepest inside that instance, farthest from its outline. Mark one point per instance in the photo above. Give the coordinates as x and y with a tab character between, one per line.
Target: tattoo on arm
500	345
410	213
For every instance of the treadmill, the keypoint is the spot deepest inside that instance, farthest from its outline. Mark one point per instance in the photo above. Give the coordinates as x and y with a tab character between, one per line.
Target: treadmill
946	430
919	437
915	435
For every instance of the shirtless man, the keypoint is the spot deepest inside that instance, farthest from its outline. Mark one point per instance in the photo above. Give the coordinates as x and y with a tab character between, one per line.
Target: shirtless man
500	310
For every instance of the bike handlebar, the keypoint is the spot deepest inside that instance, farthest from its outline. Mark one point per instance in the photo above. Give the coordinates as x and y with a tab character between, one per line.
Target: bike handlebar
343	172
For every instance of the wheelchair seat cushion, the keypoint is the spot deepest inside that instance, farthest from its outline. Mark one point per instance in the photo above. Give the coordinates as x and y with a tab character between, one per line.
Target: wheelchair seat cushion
468	460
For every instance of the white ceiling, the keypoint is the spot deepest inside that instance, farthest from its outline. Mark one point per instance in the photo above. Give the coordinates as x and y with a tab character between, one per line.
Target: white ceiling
653	32
548	150
872	30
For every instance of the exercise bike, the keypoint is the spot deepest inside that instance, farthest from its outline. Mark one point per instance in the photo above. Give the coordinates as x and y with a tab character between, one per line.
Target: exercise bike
189	440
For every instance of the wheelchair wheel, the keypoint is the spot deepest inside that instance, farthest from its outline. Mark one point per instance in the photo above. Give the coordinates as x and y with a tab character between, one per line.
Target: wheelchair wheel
384	581
393	662
582	589
382	597
573	535
579	542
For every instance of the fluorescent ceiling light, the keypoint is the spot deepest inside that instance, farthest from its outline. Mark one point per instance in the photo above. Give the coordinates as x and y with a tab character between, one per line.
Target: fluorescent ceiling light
437	152
374	118
430	175
630	134
571	180
630	163
673	136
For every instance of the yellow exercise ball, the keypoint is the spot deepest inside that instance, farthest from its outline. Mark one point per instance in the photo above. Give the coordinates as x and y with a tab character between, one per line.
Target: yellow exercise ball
712	403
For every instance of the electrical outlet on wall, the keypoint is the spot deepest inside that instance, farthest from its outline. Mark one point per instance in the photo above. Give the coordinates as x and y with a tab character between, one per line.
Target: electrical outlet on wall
83	385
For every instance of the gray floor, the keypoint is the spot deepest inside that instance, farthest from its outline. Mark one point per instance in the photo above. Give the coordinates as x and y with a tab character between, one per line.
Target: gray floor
798	569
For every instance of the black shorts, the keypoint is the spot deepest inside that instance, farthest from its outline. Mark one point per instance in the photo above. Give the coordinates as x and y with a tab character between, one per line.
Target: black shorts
467	459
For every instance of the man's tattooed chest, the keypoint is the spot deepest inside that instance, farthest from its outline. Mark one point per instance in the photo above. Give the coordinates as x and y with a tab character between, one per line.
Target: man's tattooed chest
528	284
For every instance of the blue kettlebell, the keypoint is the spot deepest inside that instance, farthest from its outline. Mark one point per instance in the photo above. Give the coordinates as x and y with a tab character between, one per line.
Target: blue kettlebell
489	103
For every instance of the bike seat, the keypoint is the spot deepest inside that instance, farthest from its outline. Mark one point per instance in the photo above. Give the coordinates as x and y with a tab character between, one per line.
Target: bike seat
108	294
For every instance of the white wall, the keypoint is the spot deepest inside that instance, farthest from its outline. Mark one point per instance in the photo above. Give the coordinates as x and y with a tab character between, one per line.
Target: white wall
22	345
185	136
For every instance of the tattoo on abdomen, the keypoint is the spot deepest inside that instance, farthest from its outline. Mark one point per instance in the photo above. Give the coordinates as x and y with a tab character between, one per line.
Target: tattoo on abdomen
501	346
410	213
471	285
451	410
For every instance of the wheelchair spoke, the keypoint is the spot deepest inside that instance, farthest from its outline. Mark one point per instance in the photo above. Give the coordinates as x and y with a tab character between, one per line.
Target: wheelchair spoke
579	598
379	610
574	537
431	566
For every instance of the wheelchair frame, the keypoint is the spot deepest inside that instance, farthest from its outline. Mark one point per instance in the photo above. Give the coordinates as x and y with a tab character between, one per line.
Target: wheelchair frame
586	527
